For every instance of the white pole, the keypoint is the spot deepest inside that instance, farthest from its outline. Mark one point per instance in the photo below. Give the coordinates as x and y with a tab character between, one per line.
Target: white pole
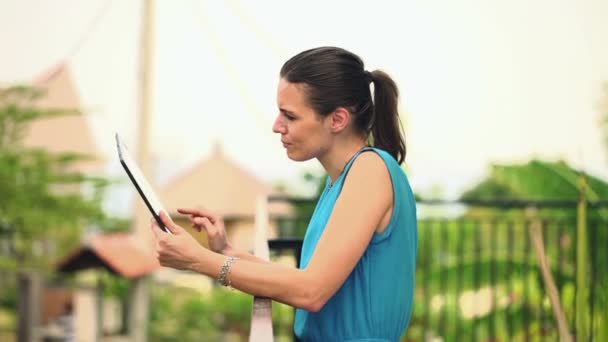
139	296
142	216
261	315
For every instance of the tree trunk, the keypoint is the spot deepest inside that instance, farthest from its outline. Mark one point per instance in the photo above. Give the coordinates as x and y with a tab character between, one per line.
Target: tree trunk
582	266
536	235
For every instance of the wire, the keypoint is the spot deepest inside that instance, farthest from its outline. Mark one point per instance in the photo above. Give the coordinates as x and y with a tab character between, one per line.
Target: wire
231	70
80	42
265	36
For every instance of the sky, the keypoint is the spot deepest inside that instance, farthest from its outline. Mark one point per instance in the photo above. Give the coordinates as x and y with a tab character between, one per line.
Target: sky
481	81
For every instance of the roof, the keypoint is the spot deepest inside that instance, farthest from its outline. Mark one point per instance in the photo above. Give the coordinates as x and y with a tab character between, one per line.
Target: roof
70	133
221	185
120	253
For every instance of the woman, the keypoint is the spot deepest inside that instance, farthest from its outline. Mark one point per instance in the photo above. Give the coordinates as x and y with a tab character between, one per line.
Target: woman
356	278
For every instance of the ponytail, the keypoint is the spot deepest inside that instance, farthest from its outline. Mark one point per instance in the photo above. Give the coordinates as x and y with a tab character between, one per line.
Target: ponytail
386	129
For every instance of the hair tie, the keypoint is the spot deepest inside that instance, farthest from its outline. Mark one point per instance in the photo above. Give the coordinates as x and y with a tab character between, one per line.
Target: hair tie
370	80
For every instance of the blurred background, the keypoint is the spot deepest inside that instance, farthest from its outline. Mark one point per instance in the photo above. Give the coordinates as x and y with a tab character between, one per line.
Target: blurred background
505	112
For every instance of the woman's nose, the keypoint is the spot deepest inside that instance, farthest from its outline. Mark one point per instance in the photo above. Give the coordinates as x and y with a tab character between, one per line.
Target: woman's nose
279	125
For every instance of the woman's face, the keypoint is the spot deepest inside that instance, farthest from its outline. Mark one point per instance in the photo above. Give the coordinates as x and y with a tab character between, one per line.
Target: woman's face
304	134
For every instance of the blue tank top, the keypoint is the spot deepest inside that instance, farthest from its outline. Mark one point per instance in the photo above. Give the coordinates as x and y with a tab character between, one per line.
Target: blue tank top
376	300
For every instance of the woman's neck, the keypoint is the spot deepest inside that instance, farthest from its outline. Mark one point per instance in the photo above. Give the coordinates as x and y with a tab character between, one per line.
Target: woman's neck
335	159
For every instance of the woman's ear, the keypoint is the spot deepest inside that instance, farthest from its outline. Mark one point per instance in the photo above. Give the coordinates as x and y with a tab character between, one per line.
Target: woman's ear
339	119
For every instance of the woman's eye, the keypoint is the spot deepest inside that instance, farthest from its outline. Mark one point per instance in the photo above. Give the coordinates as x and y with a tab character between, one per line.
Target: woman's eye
289	117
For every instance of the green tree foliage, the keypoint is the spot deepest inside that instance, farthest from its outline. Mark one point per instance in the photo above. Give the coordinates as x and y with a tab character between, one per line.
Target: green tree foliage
536	180
217	315
43	208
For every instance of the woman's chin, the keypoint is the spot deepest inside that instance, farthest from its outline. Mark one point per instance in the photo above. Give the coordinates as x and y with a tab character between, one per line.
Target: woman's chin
297	157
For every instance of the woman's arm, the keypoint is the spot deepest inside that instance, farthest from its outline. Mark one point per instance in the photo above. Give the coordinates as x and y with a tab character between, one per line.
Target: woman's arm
366	197
243	255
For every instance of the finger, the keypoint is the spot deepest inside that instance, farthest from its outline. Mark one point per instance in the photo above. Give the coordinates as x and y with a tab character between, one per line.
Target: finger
199	212
197	227
189	211
211	229
197	220
191	219
173	228
155	228
205	223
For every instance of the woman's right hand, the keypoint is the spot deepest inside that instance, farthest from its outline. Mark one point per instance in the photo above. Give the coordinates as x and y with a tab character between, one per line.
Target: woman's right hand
213	224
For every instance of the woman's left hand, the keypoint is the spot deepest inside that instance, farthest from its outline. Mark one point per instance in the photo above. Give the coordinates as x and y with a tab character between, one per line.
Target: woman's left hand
178	250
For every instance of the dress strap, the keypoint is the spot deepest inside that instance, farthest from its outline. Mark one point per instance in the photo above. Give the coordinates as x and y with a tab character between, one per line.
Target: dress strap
352	160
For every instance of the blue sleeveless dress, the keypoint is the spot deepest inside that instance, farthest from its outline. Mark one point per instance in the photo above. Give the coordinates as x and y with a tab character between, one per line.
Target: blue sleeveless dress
376	300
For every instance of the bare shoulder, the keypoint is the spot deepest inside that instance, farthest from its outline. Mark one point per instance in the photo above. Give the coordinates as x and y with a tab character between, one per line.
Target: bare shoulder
371	167
369	177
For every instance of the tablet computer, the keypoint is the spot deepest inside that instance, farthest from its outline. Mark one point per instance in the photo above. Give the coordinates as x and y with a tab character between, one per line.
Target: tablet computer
141	184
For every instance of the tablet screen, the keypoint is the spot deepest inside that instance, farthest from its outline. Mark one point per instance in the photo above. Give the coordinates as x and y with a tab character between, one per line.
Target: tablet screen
139	181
